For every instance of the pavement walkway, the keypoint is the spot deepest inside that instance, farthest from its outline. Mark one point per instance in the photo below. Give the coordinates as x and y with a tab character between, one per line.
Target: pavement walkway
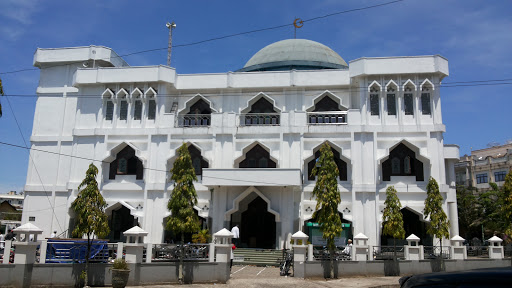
252	277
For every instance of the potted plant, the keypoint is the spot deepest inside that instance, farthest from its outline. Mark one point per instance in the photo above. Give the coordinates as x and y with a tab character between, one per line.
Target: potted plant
120	273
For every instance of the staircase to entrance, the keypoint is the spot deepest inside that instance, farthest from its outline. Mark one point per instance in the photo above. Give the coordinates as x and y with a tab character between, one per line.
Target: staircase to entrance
258	257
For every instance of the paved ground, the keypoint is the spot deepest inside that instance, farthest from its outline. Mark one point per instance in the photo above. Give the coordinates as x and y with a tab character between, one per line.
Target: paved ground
252	276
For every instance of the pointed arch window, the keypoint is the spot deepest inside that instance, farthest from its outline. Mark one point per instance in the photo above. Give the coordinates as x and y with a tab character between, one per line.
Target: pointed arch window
126	163
327	111
374	101
199	115
425	101
391	100
408	101
342	165
198	161
262	113
257	157
109	113
402	161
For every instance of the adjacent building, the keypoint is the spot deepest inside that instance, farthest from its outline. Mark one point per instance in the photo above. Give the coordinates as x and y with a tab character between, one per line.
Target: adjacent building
254	137
484	166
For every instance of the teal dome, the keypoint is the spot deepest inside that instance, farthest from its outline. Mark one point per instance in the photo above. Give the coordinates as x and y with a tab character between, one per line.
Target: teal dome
299	54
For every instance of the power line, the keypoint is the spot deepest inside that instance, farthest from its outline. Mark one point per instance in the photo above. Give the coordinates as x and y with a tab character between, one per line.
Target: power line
33	163
105	162
223	37
350	89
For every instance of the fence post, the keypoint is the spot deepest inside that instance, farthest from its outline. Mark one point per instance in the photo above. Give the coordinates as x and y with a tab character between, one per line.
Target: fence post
495	249
360	248
7	251
26	247
299	254
413	251
42	251
119	250
211	254
223	246
134	244
457	250
149	252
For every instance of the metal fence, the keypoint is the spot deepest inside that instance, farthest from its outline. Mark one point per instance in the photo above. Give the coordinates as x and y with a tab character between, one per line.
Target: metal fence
260	119
434	252
477	251
193	120
321	118
323	253
388	252
171	252
76	252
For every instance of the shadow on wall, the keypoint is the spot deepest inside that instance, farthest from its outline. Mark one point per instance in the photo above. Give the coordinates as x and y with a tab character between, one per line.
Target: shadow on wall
326	265
391	268
96	275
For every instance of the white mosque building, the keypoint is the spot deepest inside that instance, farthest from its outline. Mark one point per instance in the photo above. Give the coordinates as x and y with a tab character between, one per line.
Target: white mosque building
254	136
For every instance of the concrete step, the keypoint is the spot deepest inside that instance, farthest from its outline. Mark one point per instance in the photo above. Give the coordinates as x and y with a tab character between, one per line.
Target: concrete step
258	257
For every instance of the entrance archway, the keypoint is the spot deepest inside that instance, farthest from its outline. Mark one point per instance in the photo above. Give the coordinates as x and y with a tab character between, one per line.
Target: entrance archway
120	221
413	224
257	225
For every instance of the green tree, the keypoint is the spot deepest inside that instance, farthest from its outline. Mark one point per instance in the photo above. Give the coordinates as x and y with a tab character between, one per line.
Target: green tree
1	94
393	222
201	237
328	199
491	210
183	198
89	207
507	204
439	223
468	210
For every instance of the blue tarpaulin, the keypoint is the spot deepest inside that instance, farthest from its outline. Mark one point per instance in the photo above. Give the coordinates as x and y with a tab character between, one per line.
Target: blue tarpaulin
75	250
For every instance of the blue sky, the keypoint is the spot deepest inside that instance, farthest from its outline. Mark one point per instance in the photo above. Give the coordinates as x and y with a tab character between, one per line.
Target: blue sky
474	36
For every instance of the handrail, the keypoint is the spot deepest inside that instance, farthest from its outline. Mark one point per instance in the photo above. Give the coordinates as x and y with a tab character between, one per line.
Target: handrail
193	120
260	119
327	118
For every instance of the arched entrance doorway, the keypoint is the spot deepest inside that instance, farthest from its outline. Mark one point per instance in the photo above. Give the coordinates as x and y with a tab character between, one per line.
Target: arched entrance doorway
413	224
120	221
257	225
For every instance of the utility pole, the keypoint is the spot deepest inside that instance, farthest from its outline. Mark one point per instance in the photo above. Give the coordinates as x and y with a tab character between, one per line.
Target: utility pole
170	26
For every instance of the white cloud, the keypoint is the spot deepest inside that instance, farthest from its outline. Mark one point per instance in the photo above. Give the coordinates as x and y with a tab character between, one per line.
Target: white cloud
18	16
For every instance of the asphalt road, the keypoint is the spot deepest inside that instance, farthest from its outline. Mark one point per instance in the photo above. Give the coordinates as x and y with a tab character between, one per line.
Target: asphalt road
252	276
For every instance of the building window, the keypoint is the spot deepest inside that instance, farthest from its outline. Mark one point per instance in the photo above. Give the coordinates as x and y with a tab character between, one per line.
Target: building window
31	218
425	101
321	115
20	202
395	165
342	165
391	103
123	112
126	163
151	109
500	176
408	104
262	113
374	104
481	178
137	113
197	160
407	165
402	162
257	157
109	114
122	166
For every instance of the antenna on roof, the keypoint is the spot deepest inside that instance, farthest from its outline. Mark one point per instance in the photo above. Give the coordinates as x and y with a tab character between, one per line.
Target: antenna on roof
170	26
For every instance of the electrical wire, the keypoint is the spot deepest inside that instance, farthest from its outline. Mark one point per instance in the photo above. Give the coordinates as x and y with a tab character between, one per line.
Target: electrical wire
33	163
350	89
105	162
220	37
